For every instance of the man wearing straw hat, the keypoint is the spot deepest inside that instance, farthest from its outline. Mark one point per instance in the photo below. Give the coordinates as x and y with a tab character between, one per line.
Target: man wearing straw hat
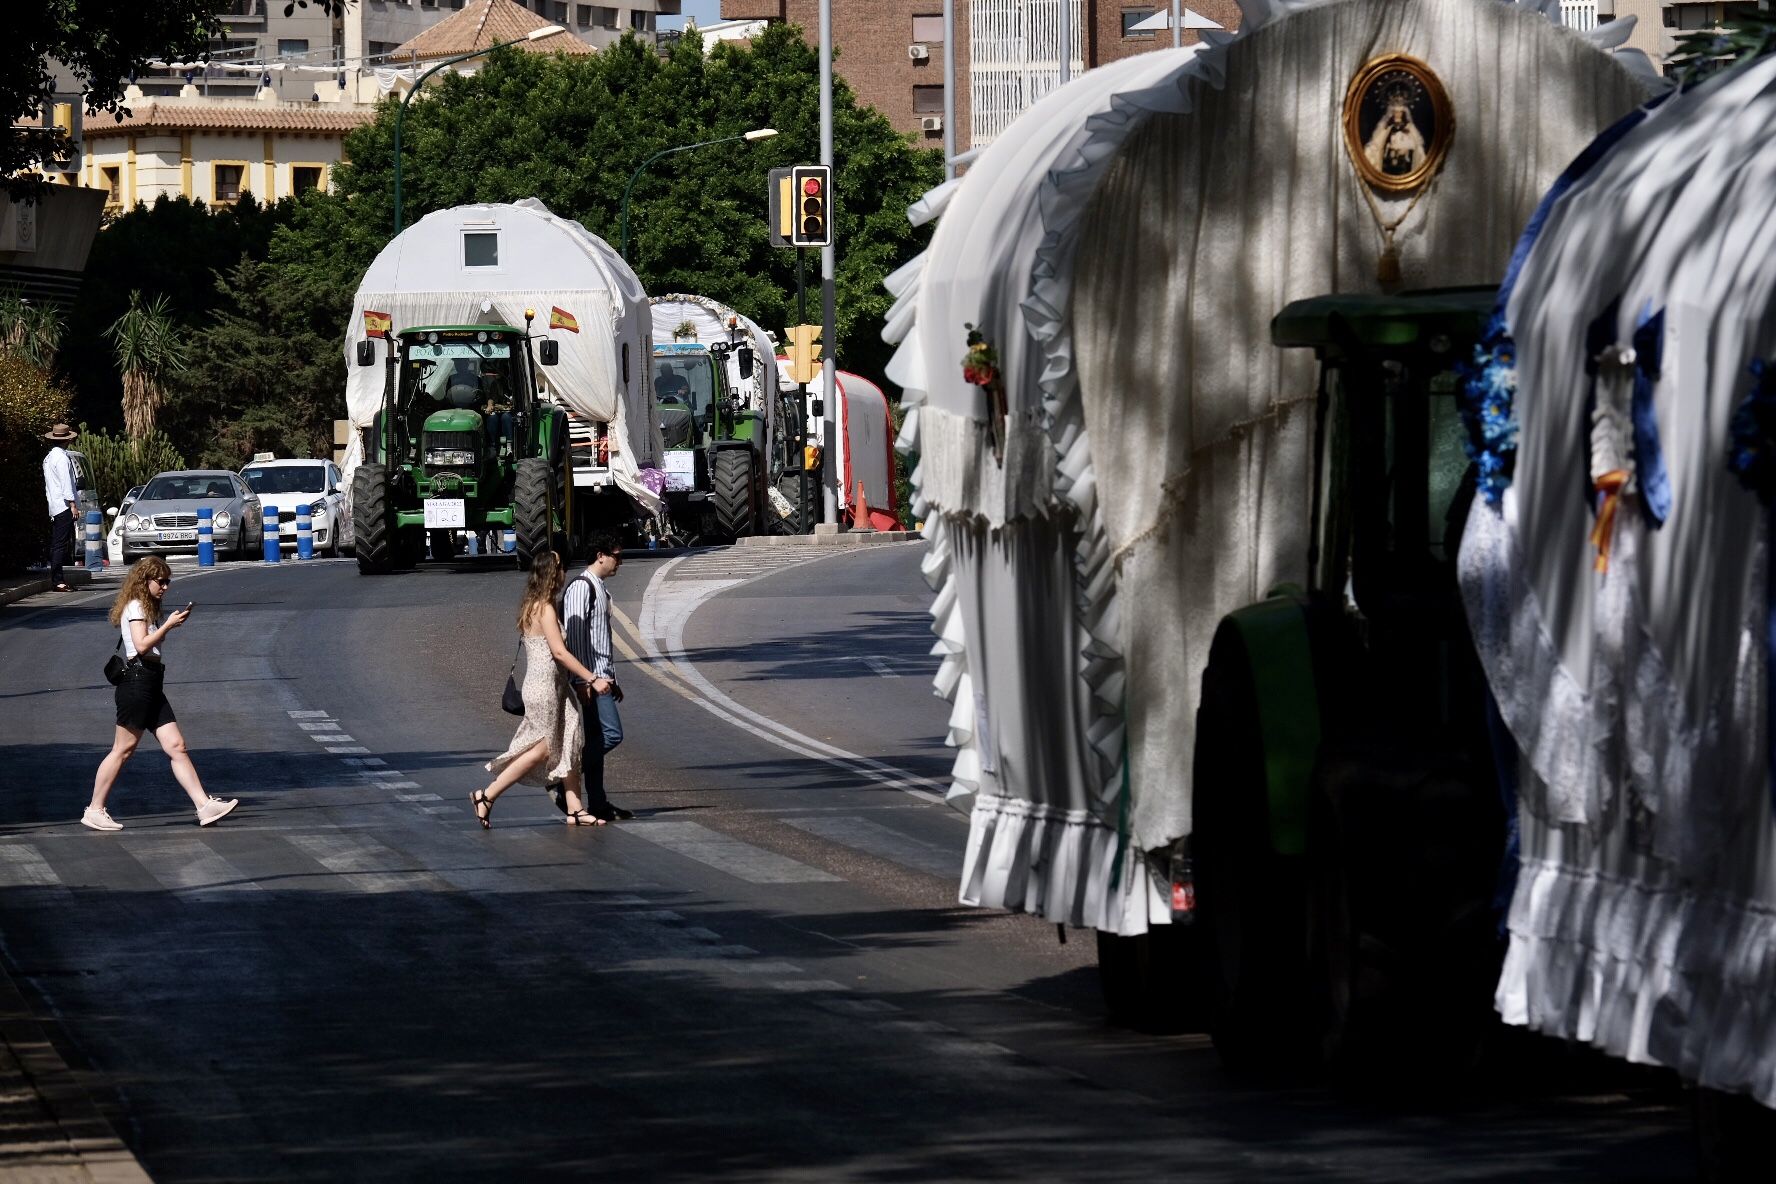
60	489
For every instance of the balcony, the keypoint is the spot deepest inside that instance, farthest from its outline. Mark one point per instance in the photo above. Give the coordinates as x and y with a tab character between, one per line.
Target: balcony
238	11
1579	14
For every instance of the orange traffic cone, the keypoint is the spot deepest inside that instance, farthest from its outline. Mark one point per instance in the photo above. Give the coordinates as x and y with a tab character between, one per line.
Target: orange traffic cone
860	519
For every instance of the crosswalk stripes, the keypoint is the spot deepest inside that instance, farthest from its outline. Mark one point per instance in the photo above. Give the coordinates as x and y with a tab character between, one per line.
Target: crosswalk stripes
740	563
365	864
724	853
190	868
22	866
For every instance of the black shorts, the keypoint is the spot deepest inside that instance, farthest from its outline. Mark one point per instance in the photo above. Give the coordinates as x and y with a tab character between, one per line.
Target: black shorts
141	699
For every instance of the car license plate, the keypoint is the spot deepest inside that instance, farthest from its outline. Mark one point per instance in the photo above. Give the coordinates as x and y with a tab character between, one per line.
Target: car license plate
178	536
444	513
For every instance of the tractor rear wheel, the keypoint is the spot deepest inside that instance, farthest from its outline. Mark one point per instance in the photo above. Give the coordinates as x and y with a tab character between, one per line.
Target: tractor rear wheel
530	509
1252	907
790	486
731	489
373	535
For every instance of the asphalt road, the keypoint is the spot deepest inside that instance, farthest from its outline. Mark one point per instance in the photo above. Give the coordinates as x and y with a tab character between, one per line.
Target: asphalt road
763	977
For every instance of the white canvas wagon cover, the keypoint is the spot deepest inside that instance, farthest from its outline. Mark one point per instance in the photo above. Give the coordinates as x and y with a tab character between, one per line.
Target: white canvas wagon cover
1122	248
445	270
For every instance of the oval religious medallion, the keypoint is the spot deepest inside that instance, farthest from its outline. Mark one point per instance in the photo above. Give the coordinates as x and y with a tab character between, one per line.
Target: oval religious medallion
1397	123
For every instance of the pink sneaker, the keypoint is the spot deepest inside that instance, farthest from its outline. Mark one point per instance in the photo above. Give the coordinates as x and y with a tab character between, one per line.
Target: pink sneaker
99	819
215	810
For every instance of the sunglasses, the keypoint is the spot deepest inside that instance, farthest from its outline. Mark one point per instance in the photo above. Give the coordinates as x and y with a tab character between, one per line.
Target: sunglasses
166	583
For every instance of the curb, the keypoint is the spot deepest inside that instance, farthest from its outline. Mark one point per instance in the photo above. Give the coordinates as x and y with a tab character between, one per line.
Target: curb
82	1144
75	577
856	538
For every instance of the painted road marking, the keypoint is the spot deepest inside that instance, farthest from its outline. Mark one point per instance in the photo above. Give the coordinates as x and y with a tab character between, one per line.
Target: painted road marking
22	866
190	869
742	860
364	864
332	738
873	838
878	663
310	715
418	797
348	748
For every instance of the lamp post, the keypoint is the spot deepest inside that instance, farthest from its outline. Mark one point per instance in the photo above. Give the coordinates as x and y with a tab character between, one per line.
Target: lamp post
761	133
401	114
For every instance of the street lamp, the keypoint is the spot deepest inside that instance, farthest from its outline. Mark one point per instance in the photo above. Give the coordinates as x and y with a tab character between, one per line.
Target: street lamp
401	115
757	133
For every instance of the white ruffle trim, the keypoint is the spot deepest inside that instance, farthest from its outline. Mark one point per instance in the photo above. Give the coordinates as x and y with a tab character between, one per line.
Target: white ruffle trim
1635	968
1057	864
953	682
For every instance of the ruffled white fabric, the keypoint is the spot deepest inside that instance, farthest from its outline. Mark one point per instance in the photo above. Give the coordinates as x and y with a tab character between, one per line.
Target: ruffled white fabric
1637	698
1101	459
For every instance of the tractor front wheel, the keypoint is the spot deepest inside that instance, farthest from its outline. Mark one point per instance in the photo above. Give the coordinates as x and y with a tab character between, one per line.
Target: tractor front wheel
731	488
373	533
790	487
530	509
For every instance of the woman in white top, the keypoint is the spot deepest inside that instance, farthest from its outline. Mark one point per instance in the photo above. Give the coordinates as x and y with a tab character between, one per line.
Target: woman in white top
141	696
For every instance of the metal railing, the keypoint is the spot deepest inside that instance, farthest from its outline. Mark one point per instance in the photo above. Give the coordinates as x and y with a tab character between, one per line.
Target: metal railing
1579	14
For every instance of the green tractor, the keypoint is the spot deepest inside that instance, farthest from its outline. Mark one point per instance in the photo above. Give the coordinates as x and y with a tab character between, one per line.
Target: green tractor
716	457
1349	824
462	443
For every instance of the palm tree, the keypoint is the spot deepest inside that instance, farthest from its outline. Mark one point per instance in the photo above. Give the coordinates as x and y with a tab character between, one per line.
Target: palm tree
33	331
148	349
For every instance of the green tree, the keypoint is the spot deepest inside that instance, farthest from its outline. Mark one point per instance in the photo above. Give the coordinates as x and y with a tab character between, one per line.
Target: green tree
571	131
29	403
120	463
268	372
149	351
32	330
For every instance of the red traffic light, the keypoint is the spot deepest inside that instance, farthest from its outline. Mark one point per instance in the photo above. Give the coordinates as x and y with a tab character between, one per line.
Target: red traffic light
811	186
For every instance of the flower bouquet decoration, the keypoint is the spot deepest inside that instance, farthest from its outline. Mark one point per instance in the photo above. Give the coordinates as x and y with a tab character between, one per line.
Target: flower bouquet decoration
980	366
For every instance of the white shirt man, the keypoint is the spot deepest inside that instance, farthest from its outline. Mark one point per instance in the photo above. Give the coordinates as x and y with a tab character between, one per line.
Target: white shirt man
585	625
61	492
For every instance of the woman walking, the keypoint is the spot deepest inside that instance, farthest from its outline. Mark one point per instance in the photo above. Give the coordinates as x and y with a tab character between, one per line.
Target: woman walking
547	745
141	696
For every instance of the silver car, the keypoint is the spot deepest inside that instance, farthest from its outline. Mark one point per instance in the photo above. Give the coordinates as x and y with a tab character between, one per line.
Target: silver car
164	519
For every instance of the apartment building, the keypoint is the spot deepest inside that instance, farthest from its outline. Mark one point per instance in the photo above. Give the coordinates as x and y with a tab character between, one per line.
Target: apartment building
1007	51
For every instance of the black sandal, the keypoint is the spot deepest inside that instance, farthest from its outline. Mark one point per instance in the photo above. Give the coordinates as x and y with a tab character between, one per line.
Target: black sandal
483	808
583	818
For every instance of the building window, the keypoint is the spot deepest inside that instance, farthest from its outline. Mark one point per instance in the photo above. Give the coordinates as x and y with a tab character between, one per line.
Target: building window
226	182
428	3
113	185
603	18
928	30
558	12
383	49
292	47
480	248
1132	17
641	22
928	100
304	177
583	15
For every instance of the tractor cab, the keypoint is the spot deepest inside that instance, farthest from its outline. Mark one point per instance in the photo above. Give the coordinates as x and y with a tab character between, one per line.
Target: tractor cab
714	472
1349	831
459	395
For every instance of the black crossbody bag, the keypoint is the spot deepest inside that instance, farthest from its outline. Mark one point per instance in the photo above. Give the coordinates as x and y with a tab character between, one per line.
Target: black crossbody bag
115	665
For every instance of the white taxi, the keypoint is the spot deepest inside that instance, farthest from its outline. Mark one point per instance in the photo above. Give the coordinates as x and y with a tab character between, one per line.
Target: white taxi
288	485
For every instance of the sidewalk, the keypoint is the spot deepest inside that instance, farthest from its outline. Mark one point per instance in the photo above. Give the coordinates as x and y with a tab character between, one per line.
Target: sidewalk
826	536
50	1131
30	583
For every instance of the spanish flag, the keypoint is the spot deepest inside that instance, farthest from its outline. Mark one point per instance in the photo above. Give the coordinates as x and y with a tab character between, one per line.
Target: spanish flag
560	318
377	324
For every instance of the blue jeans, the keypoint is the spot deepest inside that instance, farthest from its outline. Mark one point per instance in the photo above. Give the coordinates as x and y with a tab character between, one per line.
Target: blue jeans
604	731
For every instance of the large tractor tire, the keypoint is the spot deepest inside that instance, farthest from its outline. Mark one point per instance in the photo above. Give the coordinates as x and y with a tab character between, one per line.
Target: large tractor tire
1403	865
1252	907
530	509
731	489
373	534
799	520
1152	982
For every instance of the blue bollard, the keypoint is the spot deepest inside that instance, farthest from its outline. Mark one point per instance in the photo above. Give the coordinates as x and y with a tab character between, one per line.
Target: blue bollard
271	534
474	542
206	537
509	541
305	539
95	541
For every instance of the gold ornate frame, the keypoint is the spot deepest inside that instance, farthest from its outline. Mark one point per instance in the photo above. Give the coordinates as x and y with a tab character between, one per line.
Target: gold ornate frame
1353	107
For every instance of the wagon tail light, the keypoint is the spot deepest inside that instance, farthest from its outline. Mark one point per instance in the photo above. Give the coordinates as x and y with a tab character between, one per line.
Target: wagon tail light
601	433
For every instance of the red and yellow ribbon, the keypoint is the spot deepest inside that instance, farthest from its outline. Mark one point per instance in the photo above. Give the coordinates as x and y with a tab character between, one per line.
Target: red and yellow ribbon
1610	485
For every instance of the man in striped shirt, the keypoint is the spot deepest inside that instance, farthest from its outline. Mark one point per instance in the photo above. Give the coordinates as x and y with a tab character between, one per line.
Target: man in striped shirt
585	621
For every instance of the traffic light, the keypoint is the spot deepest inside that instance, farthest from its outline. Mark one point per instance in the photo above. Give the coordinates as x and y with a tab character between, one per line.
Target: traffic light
804	353
780	190
811	185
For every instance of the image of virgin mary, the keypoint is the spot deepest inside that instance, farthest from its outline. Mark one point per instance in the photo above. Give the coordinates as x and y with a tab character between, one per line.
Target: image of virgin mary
1396	147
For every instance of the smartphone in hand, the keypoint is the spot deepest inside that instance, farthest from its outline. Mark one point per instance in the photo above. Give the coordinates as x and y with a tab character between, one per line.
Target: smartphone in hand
190	605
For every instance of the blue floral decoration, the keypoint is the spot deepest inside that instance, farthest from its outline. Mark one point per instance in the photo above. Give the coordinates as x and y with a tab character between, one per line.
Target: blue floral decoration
1489	393
1751	445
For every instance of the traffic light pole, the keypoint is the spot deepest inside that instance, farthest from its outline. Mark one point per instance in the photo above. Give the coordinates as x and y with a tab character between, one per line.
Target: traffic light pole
802	514
828	334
